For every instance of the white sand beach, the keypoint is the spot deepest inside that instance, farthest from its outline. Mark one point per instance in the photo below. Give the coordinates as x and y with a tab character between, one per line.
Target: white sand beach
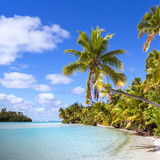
138	147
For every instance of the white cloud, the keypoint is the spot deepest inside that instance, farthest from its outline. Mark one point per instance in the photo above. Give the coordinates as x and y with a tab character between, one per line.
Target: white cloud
24	106
41	87
20	34
57	103
65	105
58	79
19	67
45	99
78	90
49	103
48	100
15	102
55	109
40	109
22	81
10	99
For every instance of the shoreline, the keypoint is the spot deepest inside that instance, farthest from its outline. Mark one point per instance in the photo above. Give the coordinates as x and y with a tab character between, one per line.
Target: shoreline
138	147
156	142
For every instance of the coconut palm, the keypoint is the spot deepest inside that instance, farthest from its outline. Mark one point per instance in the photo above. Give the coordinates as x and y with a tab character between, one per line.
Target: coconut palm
95	59
150	25
61	113
152	81
153	66
135	107
108	89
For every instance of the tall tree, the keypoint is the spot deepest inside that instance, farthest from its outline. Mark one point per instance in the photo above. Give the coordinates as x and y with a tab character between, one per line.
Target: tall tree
150	25
95	59
153	67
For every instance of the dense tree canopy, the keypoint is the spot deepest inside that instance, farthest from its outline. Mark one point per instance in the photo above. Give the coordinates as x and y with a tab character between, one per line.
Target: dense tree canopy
120	111
11	116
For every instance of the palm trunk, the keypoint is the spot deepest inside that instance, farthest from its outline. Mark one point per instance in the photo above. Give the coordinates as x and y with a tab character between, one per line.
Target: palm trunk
149	130
132	96
149	39
90	89
134	129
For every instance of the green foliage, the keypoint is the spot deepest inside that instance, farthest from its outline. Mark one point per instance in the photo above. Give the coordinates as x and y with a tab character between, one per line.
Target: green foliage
12	116
154	95
71	114
120	111
153	67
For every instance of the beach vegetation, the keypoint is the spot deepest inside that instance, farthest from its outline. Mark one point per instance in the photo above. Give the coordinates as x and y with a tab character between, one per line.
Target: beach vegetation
12	116
136	107
121	111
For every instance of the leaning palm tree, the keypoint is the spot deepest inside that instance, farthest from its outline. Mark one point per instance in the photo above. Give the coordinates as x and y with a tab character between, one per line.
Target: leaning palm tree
108	89
95	59
150	25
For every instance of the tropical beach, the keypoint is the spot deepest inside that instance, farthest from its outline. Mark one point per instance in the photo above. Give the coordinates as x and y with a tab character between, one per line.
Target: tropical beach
82	142
80	80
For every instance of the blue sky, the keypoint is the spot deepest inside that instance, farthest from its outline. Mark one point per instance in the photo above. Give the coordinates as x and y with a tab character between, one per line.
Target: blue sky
34	35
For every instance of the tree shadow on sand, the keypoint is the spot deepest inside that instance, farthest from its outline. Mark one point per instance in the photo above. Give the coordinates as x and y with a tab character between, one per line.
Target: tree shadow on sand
150	148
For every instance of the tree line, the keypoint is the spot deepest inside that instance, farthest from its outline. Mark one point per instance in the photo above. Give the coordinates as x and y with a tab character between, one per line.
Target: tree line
11	116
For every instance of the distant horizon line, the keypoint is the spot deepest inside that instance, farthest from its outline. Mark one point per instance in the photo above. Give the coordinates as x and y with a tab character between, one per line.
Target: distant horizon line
47	121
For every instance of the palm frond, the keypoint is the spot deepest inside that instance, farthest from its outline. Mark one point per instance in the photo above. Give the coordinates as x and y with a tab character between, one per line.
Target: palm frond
153	9
113	74
129	124
102	44
73	67
156	75
84	41
113	53
113	61
75	53
84	58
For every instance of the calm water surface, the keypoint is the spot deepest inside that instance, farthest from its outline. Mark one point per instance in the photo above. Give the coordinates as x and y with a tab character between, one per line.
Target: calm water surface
55	141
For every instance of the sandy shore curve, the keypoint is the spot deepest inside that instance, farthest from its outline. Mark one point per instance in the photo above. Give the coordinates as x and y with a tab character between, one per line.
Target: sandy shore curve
138	147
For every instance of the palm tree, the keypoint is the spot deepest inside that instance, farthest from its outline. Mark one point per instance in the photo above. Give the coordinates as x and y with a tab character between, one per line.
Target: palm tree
153	66
150	25
95	59
61	113
152	81
109	89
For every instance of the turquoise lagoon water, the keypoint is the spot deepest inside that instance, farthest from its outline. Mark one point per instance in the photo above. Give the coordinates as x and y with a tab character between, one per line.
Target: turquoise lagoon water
56	141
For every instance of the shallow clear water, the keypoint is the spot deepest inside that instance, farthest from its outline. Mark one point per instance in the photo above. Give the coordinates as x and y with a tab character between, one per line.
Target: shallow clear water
55	141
